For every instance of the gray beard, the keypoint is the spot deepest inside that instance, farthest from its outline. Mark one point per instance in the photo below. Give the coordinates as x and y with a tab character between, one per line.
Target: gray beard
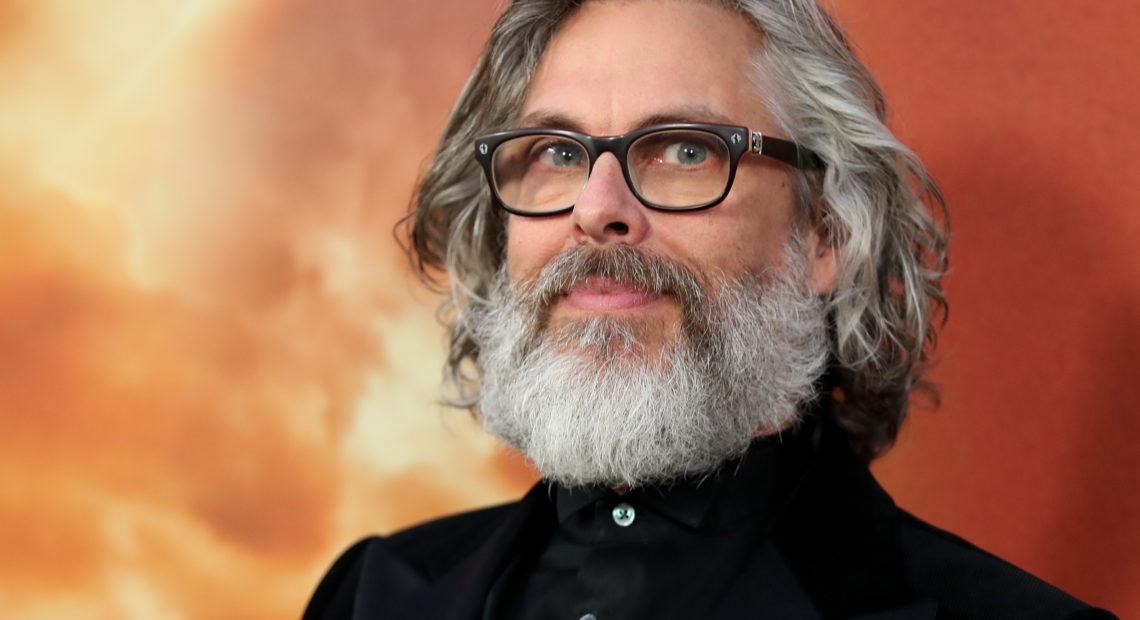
588	403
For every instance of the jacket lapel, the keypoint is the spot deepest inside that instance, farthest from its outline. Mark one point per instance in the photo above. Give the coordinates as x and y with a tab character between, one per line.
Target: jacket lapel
840	534
459	593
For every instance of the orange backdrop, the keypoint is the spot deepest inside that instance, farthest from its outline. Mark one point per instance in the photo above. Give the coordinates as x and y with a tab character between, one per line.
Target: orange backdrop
215	371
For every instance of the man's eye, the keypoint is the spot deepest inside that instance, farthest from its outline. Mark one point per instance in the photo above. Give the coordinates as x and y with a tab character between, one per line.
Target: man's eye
685	153
561	155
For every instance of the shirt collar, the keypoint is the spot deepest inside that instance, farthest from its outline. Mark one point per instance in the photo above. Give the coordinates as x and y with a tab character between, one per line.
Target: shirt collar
750	487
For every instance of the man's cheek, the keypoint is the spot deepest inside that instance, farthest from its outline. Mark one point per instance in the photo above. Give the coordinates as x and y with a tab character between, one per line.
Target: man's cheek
532	243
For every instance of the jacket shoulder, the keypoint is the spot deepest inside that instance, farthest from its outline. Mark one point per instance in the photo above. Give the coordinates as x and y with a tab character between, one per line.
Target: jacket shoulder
969	582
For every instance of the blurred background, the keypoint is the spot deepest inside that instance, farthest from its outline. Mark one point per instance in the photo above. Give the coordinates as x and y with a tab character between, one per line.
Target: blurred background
216	371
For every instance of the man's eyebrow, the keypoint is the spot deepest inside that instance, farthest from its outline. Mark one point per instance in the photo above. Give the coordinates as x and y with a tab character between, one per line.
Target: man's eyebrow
686	114
552	120
681	114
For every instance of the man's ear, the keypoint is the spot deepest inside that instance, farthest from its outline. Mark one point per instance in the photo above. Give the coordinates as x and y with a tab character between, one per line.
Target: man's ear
823	261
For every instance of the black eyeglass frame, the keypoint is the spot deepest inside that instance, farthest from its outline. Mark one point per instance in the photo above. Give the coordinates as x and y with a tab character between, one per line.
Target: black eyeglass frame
739	139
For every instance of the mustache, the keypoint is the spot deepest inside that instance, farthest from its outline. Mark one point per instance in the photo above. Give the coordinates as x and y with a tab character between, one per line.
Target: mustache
621	263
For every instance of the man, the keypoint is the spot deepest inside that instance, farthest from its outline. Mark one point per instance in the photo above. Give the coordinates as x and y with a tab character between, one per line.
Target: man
696	282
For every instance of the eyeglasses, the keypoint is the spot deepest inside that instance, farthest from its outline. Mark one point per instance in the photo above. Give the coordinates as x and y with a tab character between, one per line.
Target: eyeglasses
671	167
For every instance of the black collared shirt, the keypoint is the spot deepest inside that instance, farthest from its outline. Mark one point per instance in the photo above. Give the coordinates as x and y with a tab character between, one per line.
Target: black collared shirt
678	551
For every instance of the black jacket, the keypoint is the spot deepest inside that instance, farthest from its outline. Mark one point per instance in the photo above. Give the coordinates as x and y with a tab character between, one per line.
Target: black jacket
854	553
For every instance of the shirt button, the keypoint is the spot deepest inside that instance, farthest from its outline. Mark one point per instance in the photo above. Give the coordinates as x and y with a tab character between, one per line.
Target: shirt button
624	515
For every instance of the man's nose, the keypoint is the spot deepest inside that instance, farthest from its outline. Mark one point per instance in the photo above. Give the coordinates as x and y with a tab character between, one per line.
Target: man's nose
607	211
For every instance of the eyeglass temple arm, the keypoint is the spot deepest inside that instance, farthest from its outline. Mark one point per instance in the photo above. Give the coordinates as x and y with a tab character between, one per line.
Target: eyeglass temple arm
788	152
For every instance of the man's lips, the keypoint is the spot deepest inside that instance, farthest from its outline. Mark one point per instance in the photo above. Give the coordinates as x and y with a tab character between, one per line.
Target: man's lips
600	295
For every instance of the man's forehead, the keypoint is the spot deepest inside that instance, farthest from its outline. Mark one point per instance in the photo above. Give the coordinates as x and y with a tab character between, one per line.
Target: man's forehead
612	67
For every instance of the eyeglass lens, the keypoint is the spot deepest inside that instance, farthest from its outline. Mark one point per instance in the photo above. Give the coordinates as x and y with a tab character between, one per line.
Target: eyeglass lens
675	168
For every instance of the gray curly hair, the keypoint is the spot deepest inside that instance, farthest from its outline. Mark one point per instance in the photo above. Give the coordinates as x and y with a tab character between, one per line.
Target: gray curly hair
874	203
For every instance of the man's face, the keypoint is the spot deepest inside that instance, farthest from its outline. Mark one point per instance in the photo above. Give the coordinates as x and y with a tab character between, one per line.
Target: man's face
586	369
614	67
